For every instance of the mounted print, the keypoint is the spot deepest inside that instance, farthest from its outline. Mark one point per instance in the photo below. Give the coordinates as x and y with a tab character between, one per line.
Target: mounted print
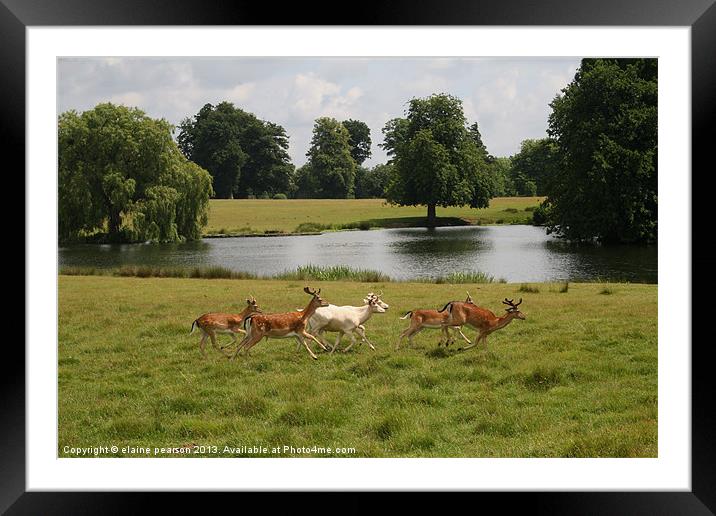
357	257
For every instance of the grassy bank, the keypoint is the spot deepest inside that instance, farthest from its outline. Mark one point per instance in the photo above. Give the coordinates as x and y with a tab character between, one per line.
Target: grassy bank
303	273
254	216
577	378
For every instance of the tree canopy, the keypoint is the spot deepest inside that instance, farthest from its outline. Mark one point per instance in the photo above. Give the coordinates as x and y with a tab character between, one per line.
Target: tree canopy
436	159
245	156
373	183
121	175
605	127
330	169
359	139
533	166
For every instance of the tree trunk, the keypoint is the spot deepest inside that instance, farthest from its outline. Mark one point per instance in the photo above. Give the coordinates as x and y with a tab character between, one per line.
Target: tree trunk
114	223
431	215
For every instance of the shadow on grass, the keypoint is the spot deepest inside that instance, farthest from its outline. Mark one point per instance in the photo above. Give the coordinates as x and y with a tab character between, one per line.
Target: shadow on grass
417	222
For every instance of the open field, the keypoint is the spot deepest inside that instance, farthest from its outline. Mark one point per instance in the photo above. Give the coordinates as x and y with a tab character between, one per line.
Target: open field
254	216
577	378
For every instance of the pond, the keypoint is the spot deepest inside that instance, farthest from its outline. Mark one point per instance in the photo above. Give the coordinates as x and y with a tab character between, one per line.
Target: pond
514	253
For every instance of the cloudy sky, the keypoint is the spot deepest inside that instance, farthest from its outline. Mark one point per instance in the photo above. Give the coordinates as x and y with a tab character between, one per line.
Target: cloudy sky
508	97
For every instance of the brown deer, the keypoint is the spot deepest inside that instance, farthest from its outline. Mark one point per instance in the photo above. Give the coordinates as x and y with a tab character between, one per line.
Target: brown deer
421	319
216	322
482	319
282	325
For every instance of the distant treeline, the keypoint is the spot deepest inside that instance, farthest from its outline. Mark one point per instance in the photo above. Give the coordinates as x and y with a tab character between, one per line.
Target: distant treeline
122	177
248	158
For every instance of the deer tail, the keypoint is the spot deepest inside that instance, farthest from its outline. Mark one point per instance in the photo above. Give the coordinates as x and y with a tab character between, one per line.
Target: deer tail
407	314
447	305
247	322
192	327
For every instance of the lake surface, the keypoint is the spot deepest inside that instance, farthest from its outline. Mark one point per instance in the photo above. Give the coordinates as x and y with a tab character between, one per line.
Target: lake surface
515	253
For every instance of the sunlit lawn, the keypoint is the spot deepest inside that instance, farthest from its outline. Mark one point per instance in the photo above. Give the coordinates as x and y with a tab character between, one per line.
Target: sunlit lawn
242	216
578	378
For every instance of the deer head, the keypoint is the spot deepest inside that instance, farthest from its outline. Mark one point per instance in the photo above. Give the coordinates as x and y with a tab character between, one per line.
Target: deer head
252	306
379	301
317	301
375	305
512	308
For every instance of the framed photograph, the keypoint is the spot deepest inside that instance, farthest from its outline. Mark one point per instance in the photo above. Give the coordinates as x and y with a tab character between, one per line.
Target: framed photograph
416	253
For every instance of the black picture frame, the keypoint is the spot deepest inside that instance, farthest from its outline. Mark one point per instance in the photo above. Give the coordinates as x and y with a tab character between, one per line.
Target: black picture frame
700	15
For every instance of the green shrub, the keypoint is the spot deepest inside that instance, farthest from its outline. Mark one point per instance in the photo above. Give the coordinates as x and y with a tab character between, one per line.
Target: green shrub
333	273
311	227
539	215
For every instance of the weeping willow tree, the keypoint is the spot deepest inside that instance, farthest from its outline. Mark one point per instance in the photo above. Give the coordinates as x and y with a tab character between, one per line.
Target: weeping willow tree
122	178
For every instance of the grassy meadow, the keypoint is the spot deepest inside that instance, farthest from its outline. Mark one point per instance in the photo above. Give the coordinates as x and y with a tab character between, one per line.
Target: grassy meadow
578	378
268	216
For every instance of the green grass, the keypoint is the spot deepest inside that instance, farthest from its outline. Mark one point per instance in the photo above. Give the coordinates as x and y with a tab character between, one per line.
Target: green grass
578	378
273	216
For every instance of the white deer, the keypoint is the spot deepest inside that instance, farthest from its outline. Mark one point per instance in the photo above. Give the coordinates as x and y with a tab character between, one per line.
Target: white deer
346	319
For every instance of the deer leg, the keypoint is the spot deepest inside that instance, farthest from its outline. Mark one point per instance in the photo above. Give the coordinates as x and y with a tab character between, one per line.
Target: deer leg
400	339
463	335
247	342
445	338
452	336
212	336
251	342
314	357
338	340
233	341
308	335
323	339
202	343
361	332
353	341
412	334
477	340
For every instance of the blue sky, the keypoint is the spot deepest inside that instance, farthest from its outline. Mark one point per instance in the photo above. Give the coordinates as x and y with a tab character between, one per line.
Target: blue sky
508	97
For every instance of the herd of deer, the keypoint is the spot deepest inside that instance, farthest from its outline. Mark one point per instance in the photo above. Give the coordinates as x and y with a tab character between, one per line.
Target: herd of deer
319	316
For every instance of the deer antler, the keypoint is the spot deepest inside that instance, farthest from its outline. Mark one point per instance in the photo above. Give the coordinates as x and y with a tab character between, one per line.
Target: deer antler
511	304
308	290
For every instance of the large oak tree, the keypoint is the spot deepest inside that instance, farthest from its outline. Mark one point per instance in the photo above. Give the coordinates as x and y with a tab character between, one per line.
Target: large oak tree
436	158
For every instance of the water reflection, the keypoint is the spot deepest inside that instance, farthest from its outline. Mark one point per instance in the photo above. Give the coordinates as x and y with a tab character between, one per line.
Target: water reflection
515	253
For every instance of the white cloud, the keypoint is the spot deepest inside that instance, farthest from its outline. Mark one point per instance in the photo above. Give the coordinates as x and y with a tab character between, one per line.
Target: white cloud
425	85
508	97
130	99
313	97
240	92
